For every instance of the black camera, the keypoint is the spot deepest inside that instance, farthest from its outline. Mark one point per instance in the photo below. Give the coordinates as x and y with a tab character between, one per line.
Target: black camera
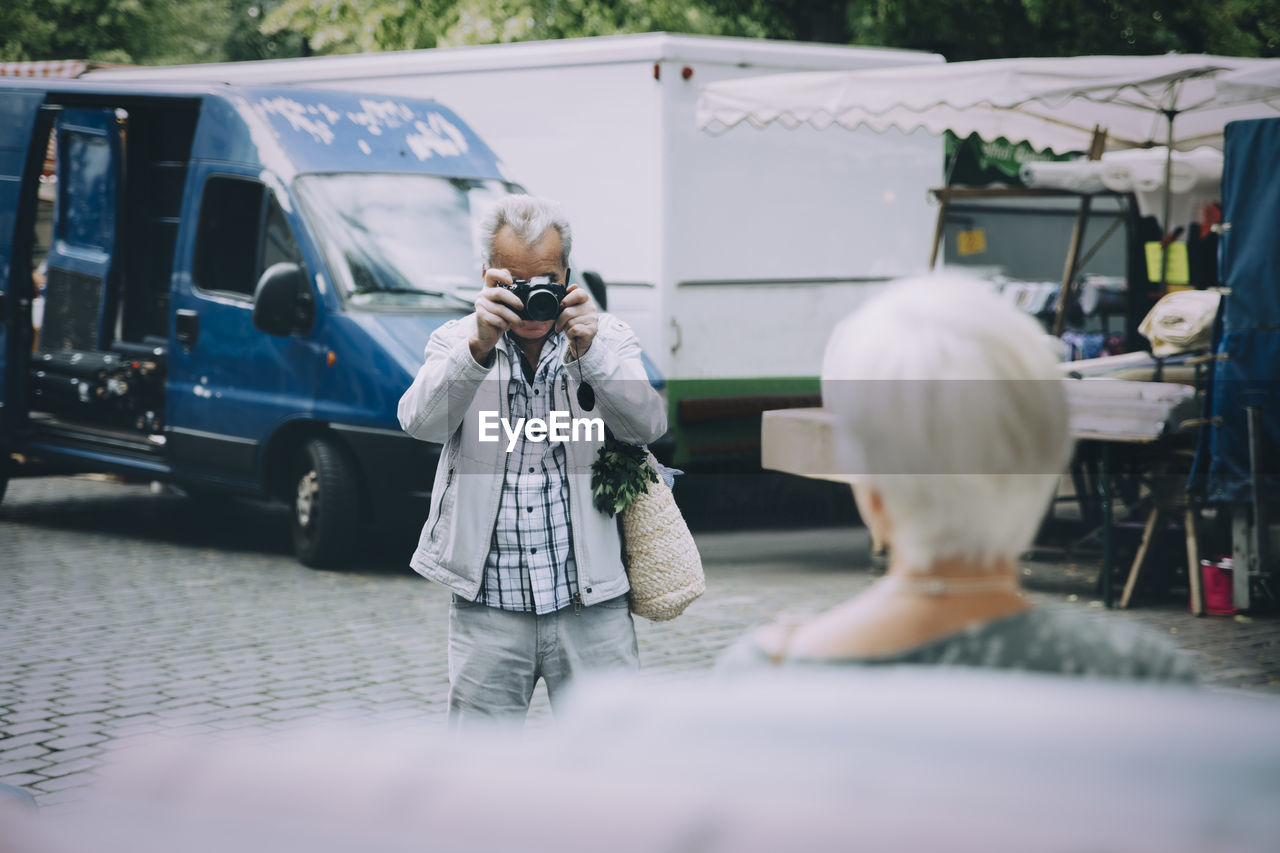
541	297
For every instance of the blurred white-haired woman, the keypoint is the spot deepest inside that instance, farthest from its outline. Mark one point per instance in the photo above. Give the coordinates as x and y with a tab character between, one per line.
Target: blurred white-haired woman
952	424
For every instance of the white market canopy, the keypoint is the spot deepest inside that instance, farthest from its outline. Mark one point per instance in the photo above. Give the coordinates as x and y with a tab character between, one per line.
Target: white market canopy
1048	102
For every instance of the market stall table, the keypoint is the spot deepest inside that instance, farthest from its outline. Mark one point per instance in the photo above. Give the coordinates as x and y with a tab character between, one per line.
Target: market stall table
1144	422
1139	419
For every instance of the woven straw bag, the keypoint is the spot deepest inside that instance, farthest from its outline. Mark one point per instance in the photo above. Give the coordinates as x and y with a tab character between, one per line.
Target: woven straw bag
662	560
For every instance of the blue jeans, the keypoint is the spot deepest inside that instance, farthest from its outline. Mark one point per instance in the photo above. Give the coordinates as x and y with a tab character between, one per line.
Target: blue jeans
497	656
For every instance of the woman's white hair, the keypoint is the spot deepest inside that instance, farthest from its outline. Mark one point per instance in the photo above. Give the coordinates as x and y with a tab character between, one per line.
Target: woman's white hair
529	216
950	404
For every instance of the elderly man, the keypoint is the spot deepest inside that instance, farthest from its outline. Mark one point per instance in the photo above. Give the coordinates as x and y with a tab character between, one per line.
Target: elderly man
539	589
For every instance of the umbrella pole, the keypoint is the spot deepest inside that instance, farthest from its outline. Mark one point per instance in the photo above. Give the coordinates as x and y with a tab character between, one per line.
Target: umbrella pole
944	202
1077	238
1166	227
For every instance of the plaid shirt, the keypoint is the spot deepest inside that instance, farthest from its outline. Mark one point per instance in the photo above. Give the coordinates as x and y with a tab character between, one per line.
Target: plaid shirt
530	565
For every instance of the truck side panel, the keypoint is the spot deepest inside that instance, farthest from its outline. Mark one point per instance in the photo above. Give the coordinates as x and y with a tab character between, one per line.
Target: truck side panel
606	124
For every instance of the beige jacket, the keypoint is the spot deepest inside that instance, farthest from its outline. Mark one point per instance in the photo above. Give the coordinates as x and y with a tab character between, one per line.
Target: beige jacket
444	404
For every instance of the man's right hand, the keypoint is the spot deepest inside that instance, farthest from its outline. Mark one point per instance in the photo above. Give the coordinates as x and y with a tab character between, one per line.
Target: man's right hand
496	309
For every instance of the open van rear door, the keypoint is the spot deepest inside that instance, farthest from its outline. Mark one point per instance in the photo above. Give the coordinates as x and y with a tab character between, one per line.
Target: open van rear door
24	132
82	256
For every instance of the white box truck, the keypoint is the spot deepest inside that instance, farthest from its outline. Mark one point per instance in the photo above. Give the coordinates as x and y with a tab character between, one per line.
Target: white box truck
732	256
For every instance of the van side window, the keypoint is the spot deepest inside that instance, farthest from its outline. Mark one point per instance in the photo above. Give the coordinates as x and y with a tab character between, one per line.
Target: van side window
242	231
278	245
87	216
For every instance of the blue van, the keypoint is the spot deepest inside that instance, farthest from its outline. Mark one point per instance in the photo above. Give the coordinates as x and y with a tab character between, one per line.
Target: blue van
228	288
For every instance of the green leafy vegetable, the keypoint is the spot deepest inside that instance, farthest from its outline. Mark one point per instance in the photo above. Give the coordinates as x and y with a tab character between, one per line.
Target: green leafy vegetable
620	474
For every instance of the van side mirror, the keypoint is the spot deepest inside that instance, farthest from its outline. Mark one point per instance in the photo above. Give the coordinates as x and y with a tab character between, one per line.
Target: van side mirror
595	284
283	302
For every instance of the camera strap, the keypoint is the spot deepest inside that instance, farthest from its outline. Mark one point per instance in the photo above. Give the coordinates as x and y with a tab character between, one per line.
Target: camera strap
586	394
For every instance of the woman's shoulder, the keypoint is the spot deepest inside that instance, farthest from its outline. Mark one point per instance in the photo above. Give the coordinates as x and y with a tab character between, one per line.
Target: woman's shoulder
744	654
1054	639
763	647
1091	643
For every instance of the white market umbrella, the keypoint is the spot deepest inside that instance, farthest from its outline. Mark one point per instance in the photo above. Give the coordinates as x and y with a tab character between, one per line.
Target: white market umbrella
1182	102
1190	105
1047	102
1255	82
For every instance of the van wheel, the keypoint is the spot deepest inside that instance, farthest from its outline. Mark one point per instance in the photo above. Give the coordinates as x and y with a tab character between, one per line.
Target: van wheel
325	505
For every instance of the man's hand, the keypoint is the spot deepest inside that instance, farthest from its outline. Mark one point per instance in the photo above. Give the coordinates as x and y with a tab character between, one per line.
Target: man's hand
496	309
579	319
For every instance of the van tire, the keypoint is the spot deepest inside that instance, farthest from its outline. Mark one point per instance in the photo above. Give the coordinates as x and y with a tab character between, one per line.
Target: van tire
325	505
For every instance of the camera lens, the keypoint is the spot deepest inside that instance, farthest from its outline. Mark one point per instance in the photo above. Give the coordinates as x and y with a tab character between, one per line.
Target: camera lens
542	305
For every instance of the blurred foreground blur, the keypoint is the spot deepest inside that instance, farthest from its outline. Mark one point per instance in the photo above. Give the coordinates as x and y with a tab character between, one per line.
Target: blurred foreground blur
902	760
127	612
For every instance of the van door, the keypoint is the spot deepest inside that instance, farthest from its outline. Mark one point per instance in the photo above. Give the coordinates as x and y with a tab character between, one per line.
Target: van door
230	385
24	133
82	256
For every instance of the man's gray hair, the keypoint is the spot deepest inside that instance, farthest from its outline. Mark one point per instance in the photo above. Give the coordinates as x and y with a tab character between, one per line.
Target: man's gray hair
529	216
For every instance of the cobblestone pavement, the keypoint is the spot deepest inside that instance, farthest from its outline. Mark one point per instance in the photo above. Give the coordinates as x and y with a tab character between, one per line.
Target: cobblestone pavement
125	611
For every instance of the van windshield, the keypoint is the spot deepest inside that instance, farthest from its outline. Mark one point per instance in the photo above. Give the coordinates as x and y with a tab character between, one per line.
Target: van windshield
400	240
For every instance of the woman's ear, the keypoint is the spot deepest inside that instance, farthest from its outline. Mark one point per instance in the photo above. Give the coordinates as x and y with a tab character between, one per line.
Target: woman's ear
877	502
870	505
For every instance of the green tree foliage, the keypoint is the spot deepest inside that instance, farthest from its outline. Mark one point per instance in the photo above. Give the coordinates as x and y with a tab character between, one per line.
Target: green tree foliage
488	21
344	26
245	38
151	32
111	30
988	29
23	33
985	29
155	31
354	26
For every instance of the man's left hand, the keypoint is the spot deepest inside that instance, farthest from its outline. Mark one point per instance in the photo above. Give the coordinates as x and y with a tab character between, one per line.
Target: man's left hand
579	319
